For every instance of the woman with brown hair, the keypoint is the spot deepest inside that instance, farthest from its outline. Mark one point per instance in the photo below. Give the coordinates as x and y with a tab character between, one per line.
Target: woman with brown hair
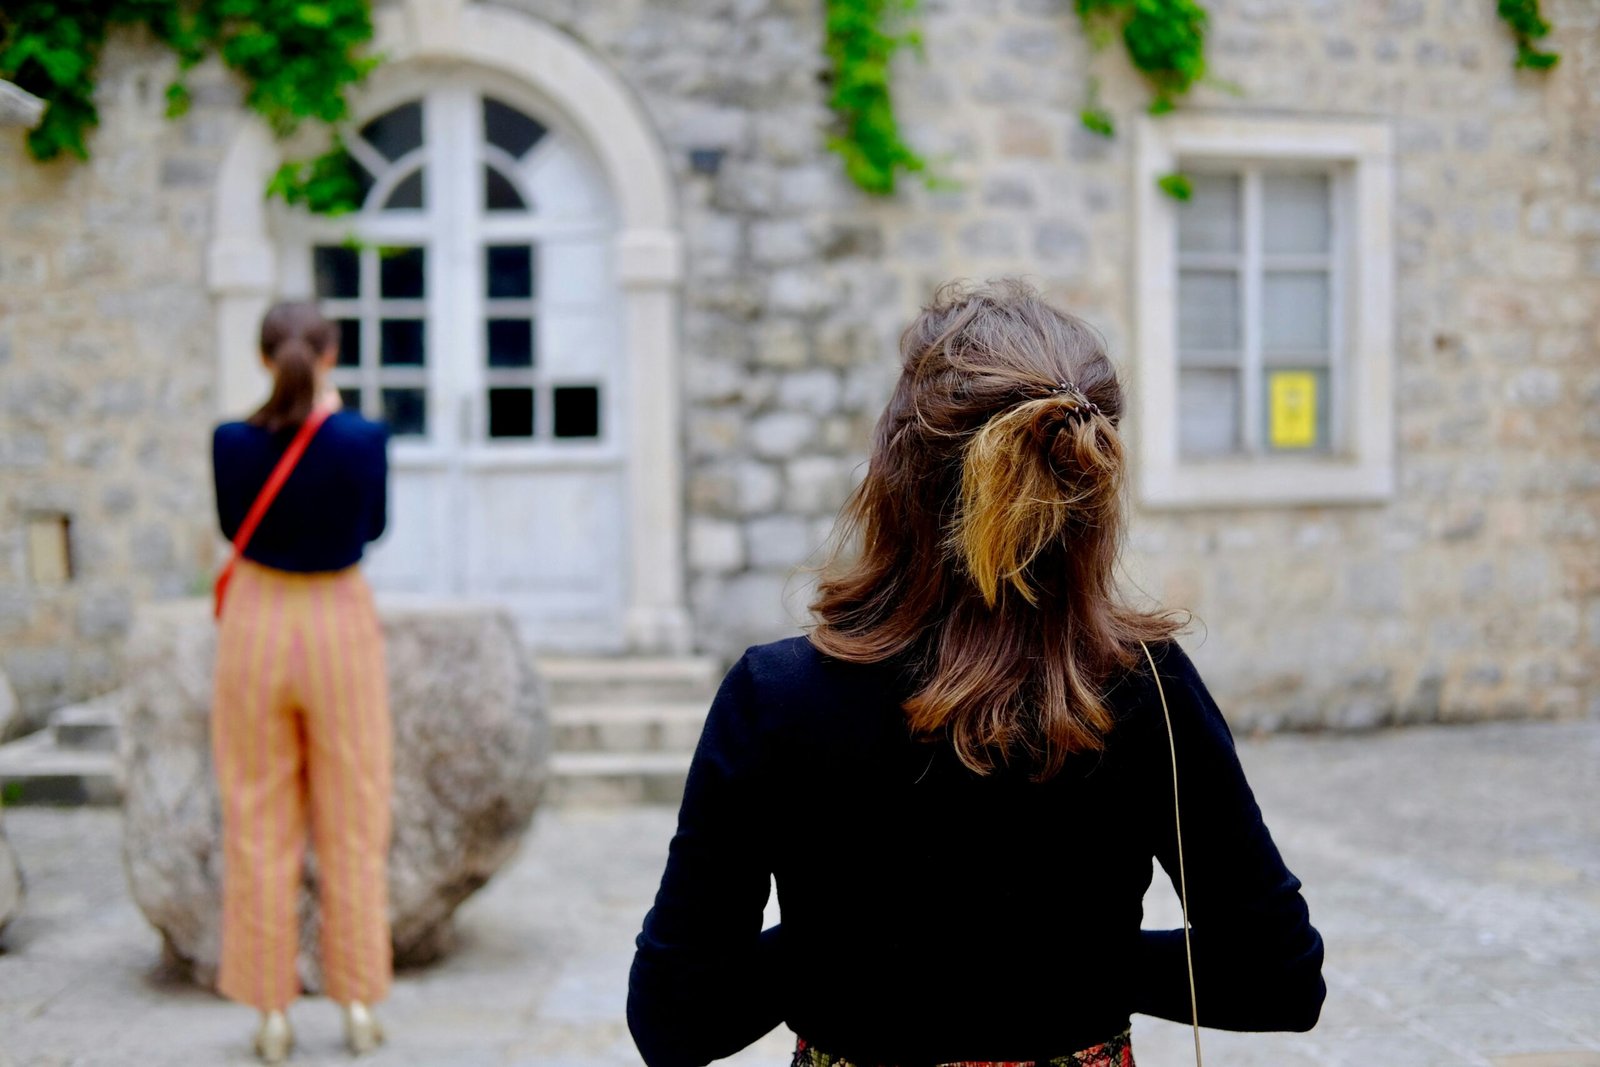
300	720
960	778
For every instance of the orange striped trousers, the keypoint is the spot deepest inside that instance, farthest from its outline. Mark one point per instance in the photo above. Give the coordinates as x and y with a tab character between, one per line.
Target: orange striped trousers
301	737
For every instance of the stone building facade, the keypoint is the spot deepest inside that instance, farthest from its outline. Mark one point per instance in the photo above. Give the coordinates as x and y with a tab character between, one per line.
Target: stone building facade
1455	573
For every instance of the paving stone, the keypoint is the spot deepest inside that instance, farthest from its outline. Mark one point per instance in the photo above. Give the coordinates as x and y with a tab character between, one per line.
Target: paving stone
1440	953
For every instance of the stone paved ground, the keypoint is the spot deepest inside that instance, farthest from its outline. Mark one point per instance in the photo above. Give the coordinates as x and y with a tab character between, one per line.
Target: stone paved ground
1454	871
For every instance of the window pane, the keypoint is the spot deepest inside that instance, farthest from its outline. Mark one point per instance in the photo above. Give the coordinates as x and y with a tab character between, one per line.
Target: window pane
351	399
498	192
1295	213
406	411
337	271
394	133
1208	310
401	343
1294	311
349	342
577	411
510	343
507	128
1296	409
511	413
401	273
1209	221
510	270
408	194
1208	412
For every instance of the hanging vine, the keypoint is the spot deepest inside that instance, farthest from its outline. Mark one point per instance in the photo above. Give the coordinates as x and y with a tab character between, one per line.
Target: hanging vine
1166	42
862	37
1527	22
1165	39
298	61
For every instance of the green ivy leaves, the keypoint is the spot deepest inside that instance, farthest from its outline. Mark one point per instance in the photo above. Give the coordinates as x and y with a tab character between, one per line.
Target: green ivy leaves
1176	185
1165	39
860	44
329	184
1527	22
297	59
51	53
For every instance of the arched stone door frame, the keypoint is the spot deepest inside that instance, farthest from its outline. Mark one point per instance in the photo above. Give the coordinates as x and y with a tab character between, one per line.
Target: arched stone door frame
242	268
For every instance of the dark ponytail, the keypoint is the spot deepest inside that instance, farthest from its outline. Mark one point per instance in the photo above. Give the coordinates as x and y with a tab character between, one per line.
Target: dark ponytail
293	337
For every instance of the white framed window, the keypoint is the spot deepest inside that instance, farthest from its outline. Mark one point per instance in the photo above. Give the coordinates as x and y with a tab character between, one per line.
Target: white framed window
1263	311
473	290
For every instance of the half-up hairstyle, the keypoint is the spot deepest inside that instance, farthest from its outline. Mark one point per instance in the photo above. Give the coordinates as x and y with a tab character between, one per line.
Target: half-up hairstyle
989	524
293	335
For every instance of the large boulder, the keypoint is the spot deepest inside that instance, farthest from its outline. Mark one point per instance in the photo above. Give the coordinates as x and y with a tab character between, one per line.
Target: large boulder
10	879
10	871
471	752
10	719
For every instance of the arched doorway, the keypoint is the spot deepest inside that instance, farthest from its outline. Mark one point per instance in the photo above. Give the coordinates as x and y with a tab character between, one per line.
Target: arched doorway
508	301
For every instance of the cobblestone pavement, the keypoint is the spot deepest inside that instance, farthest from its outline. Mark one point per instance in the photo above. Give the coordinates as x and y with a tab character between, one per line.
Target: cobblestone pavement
1454	871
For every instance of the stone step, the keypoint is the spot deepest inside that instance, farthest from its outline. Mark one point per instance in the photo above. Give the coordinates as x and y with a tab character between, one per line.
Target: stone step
36	770
630	727
629	679
90	727
624	730
613	779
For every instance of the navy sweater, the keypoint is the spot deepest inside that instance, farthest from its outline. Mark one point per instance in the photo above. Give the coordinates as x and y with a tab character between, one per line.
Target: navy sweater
333	504
930	914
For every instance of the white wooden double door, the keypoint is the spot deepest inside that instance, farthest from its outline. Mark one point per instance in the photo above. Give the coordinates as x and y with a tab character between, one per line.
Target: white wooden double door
479	315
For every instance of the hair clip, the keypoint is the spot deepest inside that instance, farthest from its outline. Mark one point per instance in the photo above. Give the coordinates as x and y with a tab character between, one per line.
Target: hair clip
1083	403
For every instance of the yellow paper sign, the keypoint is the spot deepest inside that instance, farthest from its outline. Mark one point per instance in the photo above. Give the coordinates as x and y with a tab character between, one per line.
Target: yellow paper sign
1292	405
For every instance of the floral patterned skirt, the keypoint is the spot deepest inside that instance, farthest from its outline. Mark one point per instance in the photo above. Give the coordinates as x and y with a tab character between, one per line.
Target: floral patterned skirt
1118	1052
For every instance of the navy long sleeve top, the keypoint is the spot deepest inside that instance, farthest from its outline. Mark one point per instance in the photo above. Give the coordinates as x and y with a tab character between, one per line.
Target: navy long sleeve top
930	914
333	504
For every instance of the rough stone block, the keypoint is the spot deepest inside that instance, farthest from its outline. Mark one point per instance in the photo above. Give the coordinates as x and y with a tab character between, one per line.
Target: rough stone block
1024	136
989	237
40	674
781	242
779	541
1008	191
782	343
816	391
798	292
104	613
715	545
715	433
817	483
1060	242
757	487
780	434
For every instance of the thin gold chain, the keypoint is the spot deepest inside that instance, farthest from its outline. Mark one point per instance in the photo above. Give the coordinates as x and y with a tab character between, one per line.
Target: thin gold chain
1177	829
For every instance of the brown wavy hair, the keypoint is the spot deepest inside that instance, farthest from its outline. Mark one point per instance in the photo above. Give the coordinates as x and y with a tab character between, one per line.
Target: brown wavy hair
988	528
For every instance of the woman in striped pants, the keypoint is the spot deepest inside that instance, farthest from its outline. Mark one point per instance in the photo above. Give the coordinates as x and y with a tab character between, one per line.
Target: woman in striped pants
300	721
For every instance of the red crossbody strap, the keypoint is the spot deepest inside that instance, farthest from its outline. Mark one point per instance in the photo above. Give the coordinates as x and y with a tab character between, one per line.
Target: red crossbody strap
269	493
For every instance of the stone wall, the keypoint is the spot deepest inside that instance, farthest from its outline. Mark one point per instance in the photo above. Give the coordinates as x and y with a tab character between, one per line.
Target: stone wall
106	372
1476	591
